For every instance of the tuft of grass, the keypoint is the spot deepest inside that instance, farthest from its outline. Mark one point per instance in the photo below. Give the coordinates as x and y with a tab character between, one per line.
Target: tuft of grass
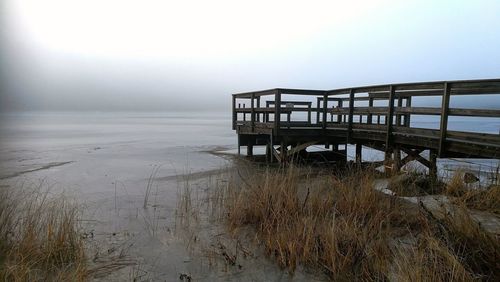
479	198
453	248
456	185
428	260
39	237
485	199
479	250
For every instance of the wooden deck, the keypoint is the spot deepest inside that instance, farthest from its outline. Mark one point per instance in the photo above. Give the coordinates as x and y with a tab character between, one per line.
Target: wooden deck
380	117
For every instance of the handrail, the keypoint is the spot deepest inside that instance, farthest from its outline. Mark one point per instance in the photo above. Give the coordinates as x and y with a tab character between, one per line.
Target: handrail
462	85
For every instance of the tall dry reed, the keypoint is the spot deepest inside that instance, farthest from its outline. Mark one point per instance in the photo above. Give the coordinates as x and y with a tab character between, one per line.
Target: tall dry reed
39	237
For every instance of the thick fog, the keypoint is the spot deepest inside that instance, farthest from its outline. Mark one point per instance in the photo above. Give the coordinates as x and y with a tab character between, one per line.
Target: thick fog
63	55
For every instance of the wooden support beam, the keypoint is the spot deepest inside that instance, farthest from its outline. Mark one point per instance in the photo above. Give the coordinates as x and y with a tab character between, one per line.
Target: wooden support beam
283	152
239	147
414	155
269	154
397	159
258	106
277	111
388	163
325	105
276	154
351	111
300	147
309	113
398	116
407	116
445	104
317	110
388	119
339	117
271	146
370	116
359	156
252	113
235	115
250	150
410	155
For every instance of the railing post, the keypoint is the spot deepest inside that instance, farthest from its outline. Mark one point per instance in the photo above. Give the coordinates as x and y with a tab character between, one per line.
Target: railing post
252	113
445	104
317	109
398	116
277	111
370	116
258	106
309	113
339	116
350	116
407	116
234	112
325	105
389	118
266	115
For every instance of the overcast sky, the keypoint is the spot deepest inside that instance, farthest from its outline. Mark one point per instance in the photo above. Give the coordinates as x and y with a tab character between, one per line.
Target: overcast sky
179	55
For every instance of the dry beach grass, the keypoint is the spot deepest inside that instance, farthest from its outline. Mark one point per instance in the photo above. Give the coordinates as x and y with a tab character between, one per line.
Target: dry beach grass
341	226
40	237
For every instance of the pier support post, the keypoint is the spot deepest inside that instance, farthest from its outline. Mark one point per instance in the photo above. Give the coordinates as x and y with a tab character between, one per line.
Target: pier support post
335	147
388	163
239	147
269	153
359	157
397	160
283	152
250	150
271	148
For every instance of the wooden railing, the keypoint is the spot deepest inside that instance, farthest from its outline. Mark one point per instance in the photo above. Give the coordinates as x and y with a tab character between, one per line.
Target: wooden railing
382	109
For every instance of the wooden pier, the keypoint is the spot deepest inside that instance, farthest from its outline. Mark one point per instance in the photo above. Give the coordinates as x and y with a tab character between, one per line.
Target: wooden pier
381	117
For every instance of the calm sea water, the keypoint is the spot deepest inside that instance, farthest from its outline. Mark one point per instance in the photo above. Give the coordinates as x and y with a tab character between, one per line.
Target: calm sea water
126	145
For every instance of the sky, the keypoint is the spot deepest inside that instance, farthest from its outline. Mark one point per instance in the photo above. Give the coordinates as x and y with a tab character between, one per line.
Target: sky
147	55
